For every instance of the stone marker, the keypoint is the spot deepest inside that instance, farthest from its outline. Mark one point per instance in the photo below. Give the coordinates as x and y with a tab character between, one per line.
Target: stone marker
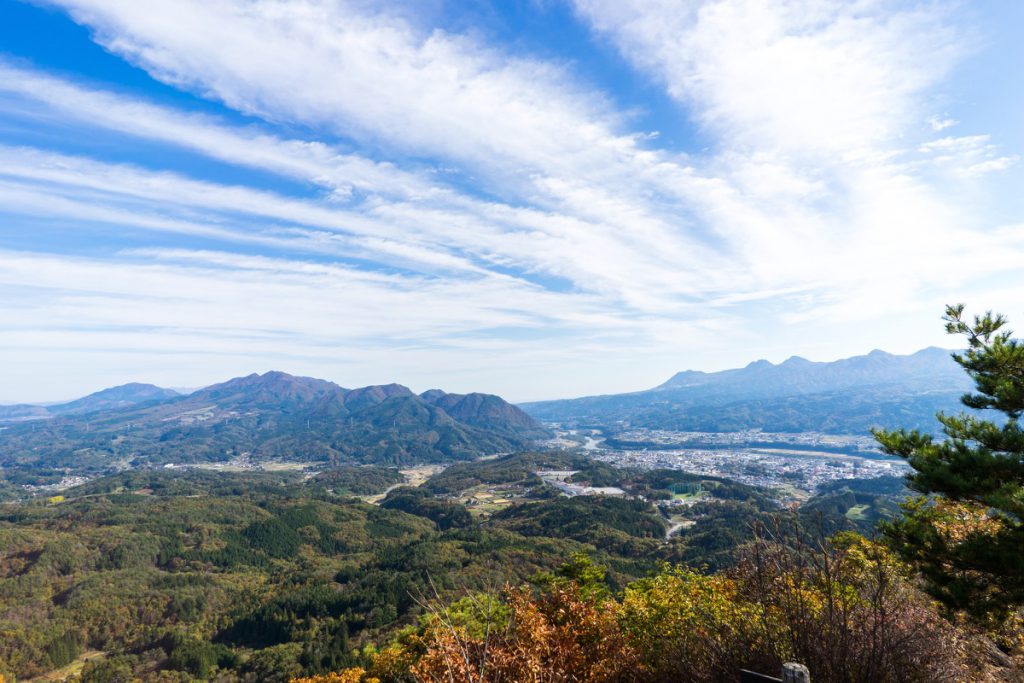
795	673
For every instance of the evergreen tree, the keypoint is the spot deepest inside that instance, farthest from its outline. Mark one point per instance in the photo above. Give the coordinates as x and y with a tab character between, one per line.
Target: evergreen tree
966	532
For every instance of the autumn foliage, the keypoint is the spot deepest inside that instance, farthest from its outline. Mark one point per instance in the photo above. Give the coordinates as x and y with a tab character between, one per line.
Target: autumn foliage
845	607
353	675
556	636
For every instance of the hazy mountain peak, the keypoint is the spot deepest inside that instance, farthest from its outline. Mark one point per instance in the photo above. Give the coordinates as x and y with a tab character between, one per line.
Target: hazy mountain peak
751	390
432	395
934	351
120	396
685	378
112	398
276	377
875	367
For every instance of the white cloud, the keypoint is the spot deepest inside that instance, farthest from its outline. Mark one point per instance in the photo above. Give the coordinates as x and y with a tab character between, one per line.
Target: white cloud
310	161
939	123
523	129
814	107
575	238
828	77
771	79
199	305
373	75
826	201
967	156
595	257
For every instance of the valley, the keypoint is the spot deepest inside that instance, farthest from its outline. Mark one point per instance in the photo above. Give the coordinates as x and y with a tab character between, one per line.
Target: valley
795	463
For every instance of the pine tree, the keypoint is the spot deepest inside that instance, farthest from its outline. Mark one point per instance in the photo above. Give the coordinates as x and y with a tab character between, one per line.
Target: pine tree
965	533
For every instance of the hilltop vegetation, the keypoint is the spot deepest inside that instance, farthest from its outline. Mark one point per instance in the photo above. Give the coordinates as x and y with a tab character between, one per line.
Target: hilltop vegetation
359	481
846	610
518	468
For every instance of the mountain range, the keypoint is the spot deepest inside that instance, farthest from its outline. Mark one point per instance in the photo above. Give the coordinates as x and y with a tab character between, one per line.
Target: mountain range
283	417
116	397
847	396
270	416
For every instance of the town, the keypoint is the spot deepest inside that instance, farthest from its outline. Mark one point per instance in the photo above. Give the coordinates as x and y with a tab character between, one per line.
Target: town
796	464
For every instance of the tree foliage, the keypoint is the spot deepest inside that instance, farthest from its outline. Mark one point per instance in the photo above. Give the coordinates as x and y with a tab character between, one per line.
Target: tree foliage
845	607
966	536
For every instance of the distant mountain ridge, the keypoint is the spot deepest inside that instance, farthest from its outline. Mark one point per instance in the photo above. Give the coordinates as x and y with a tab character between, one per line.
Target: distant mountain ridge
798	375
115	397
845	396
273	415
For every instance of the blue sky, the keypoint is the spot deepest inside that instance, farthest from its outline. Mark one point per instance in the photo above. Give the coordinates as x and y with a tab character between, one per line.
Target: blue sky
537	198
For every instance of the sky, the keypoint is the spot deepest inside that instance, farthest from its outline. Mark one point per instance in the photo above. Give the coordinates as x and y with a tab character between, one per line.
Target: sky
535	198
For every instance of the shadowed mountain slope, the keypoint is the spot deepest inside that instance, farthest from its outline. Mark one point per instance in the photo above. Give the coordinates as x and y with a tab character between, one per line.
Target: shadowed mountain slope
485	411
274	415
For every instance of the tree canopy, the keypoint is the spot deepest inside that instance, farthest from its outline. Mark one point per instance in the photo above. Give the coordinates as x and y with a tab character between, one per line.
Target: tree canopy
966	530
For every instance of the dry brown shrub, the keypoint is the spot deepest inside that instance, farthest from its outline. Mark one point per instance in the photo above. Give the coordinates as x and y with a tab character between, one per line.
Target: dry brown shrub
557	637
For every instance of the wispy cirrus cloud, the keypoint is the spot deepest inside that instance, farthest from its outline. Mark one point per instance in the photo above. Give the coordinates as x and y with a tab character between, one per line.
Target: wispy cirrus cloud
829	77
588	225
44	96
459	201
821	112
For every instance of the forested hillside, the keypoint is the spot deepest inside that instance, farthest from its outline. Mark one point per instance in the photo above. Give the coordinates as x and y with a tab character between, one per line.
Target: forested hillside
273	416
262	577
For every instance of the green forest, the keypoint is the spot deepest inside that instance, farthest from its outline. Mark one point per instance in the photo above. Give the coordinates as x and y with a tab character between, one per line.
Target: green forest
262	577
